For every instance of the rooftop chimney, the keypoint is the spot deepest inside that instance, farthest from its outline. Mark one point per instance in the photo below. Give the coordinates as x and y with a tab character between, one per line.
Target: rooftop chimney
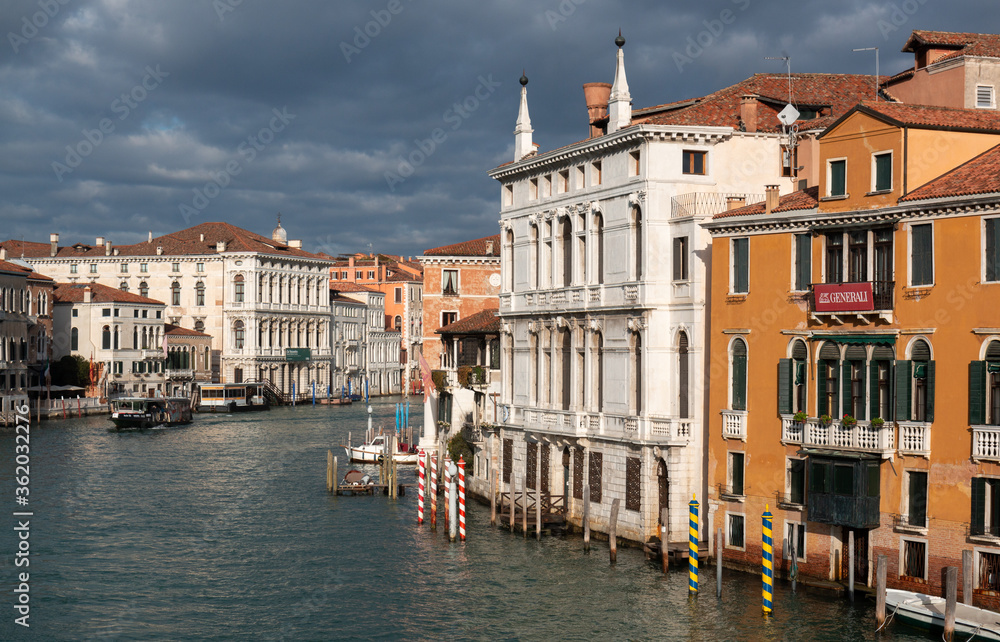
159	250
296	243
150	239
3	254
489	248
202	237
220	246
735	202
522	130
770	198
748	112
53	244
100	241
107	248
87	294
596	94
620	101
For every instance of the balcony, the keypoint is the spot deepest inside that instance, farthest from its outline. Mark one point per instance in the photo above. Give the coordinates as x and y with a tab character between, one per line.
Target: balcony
179	373
838	303
709	203
859	437
663	431
914	438
986	443
734	424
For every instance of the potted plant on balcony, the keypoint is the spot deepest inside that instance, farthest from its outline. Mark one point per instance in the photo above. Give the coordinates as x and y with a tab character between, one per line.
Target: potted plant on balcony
848	421
825	419
878	422
800	417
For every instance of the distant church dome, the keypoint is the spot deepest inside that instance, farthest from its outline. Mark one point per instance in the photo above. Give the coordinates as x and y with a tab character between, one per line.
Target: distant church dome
279	235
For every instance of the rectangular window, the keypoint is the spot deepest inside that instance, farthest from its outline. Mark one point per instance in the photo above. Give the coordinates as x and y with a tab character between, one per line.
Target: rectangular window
836	178
992	248
741	266
533	188
508	459
921	254
595	173
914	555
144	267
882	172
734	530
633	483
633	163
547	185
175	267
595	475
989	571
124	268
694	162
795	539
371	275
843	479
797	481
834	257
736	460
563	184
984	97
447	318
106	312
449	282
580	179
398	295
93	268
200	267
508	195
803	261
72	268
857	257
531	465
916	508
681	258
76	313
578	473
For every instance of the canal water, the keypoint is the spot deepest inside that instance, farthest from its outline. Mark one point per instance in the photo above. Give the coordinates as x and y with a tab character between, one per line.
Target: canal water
223	530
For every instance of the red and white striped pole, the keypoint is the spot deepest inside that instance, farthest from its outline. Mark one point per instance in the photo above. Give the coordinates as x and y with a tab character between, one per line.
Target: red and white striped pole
461	498
420	488
434	492
447	488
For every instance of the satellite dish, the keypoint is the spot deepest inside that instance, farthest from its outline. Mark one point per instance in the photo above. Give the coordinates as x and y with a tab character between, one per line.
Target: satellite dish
788	115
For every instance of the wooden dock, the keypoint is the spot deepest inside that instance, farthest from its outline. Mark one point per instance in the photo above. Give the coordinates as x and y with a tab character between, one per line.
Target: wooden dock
551	511
677	552
368	489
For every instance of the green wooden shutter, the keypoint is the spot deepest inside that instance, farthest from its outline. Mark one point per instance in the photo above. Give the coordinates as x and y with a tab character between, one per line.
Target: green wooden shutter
993	249
864	403
837	182
883	171
977	518
803	261
904	387
821	408
874	409
922	258
929	413
977	393
739	382
845	385
741	265
784	386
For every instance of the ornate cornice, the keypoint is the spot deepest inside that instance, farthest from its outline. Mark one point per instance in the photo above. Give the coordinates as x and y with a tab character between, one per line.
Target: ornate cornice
637	198
635	324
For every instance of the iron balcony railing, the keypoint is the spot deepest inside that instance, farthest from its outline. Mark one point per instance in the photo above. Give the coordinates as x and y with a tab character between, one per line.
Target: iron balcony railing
883	297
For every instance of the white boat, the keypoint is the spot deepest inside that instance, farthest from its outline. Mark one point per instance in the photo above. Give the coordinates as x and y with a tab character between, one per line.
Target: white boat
371	452
232	397
927	611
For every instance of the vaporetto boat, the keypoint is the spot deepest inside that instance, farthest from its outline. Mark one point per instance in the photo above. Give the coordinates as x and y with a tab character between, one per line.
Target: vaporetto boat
231	397
142	413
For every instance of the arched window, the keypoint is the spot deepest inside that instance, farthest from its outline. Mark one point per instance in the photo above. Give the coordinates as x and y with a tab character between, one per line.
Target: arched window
599	370
270	290
683	376
124	286
260	288
238	286
637	240
566	361
827	380
143	289
915	384
74	339
175	293
199	294
534	265
599	246
117	335
239	335
984	387
566	243
509	261
636	383
854	372
738	375
398	323
106	338
199	325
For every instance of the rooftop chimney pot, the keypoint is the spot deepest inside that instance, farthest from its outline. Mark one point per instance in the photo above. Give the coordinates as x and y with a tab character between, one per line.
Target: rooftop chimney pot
87	294
53	244
770	198
748	112
597	94
107	248
735	202
100	241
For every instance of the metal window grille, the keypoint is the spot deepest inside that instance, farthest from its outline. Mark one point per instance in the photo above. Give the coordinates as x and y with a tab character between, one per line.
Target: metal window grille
595	474
989	571
508	459
633	483
735	535
914	554
578	473
531	468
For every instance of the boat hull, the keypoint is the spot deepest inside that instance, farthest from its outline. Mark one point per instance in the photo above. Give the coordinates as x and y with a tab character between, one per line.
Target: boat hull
361	455
143	413
927	612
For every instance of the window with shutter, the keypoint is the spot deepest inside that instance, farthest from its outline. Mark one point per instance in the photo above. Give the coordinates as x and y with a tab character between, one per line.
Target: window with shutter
882	166
681	258
978	511
977	393
984	96
921	255
736	462
739	374
784	386
799	374
741	266
992	242
837	178
803	261
903	389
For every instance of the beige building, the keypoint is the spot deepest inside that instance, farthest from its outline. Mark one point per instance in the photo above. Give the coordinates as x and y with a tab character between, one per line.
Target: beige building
189	359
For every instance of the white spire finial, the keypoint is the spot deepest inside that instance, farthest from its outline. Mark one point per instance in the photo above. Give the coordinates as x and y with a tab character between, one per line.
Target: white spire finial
522	130
620	101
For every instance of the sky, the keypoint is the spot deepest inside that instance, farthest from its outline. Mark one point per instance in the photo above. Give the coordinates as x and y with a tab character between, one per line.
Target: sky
369	125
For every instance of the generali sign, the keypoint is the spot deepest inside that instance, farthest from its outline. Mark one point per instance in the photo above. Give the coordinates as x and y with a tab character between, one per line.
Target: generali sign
843	297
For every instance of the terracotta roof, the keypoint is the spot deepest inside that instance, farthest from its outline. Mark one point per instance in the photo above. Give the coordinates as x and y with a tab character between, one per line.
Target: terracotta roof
806	199
836	93
184	242
986	45
7	266
980	175
344	299
486	246
73	293
929	117
484	322
348	286
177	331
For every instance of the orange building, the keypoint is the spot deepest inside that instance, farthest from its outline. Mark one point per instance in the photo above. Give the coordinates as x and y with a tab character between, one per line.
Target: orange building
855	365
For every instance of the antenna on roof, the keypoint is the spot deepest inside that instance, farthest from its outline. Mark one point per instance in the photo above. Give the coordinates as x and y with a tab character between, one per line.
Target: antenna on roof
787	117
788	66
875	49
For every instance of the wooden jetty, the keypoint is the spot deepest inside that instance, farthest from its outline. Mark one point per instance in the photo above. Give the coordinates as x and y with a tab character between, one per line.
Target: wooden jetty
551	509
677	552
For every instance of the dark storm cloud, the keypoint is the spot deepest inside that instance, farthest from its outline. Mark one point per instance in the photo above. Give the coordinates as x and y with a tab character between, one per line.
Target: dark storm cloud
123	116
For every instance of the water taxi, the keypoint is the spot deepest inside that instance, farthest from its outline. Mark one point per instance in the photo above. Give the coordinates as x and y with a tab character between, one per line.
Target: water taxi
231	397
142	413
371	452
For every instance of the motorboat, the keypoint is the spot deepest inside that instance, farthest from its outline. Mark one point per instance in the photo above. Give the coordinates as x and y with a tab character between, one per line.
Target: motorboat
375	449
142	413
927	612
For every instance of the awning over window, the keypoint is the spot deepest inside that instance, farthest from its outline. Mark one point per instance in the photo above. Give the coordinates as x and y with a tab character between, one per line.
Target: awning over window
843	454
858	339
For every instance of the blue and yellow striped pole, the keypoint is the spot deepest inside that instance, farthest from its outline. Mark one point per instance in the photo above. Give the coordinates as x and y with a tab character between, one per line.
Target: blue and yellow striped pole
693	545
767	572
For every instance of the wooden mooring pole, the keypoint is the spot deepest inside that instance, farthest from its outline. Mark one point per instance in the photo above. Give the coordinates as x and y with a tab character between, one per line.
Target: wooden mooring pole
880	579
586	518
718	562
329	471
664	544
951	600
850	565
967	577
493	501
524	500
613	531
538	502
512	508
